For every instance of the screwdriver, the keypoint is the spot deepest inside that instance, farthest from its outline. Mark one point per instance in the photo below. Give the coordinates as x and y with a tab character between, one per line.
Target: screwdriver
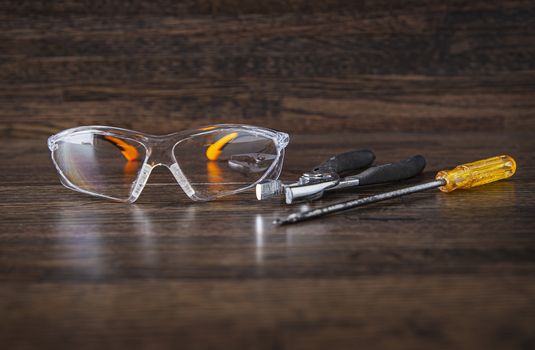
463	176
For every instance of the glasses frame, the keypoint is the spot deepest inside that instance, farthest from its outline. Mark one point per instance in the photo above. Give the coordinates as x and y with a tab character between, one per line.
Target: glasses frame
159	151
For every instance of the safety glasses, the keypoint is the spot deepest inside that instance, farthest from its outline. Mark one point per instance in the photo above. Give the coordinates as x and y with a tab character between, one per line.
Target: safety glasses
207	163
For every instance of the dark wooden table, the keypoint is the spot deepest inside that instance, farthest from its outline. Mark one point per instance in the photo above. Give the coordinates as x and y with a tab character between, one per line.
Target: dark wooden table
453	80
430	271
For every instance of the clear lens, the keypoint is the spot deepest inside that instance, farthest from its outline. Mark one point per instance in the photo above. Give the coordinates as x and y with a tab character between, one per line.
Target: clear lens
224	160
100	164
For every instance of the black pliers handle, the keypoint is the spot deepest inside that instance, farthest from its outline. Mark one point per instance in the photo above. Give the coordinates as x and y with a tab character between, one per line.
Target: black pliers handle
346	162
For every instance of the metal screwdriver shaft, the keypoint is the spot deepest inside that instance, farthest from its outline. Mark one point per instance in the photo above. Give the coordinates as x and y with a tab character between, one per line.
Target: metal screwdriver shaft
462	177
310	214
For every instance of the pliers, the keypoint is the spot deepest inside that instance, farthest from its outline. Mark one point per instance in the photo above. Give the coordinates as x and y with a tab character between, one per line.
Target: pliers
328	176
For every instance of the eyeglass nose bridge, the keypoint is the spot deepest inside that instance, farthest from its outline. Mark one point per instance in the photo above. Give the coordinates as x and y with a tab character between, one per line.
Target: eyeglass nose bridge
144	175
160	154
160	151
181	179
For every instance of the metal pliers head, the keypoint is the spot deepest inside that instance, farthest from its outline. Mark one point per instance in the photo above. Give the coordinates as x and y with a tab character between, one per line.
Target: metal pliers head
312	184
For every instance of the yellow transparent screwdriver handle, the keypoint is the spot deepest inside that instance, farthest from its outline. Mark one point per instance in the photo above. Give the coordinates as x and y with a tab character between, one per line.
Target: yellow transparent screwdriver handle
477	173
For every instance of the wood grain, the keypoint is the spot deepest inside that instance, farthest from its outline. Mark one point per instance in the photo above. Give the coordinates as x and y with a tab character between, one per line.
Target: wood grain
452	80
431	270
312	66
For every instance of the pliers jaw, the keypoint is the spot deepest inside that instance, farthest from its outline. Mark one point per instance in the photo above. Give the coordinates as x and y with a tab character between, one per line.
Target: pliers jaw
308	192
311	185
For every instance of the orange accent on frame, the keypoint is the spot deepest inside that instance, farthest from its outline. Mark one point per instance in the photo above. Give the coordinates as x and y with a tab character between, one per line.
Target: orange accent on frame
129	152
214	150
207	128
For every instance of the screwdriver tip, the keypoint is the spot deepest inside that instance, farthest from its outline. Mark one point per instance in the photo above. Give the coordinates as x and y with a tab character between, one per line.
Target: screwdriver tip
290	219
278	221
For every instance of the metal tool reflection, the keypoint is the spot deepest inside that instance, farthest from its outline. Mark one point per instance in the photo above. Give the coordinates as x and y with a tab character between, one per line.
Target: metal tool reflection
259	238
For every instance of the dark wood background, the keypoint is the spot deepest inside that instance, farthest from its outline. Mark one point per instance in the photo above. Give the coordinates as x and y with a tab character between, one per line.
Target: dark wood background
452	80
303	65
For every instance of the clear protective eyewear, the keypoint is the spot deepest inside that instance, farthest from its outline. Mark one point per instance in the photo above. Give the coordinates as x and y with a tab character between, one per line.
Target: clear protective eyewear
208	163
